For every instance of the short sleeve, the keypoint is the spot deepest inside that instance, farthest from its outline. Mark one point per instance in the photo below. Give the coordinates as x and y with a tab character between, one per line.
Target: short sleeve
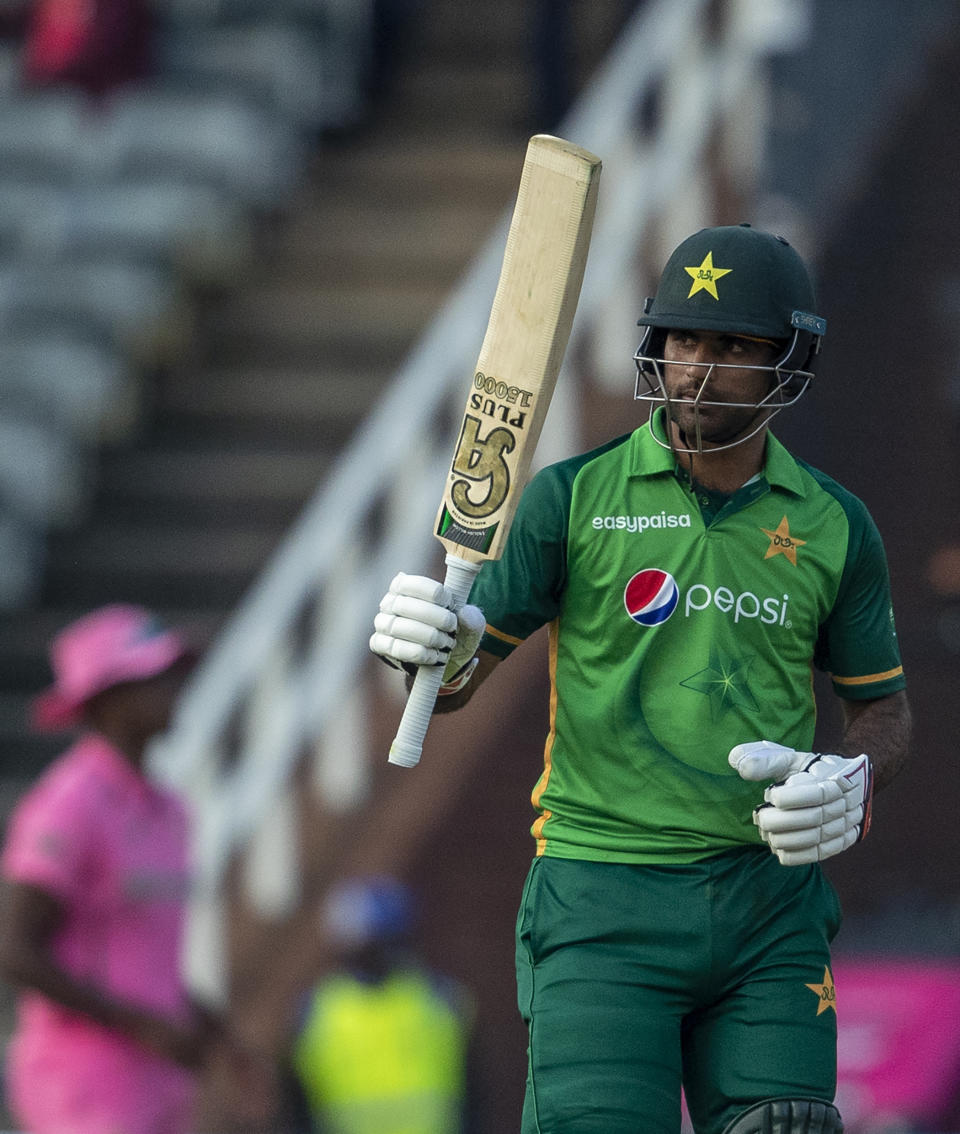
48	841
858	644
521	591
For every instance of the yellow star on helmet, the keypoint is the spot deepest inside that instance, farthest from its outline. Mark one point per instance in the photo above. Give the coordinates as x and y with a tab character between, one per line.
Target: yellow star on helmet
705	277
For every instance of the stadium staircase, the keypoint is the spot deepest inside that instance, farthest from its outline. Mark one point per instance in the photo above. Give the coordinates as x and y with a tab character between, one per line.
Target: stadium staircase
281	368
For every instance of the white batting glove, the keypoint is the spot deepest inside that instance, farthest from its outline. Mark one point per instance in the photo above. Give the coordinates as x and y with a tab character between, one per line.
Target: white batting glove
819	806
420	624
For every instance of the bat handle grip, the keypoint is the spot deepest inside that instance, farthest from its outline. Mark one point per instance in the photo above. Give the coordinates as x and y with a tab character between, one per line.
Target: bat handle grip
408	743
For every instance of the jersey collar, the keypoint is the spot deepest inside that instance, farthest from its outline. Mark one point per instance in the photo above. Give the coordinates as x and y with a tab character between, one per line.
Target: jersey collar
780	468
650	458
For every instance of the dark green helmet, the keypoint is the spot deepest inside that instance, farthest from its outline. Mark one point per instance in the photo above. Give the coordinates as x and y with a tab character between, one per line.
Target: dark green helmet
735	279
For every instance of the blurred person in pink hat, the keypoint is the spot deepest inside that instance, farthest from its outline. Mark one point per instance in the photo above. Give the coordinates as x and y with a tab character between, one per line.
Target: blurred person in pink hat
95	878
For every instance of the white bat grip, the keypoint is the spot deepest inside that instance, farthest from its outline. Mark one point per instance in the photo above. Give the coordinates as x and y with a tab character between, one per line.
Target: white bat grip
408	743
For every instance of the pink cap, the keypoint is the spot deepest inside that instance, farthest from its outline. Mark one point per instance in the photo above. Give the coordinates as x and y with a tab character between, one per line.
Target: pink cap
115	644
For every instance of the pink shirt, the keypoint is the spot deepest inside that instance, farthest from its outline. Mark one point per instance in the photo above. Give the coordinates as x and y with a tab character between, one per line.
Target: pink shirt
113	848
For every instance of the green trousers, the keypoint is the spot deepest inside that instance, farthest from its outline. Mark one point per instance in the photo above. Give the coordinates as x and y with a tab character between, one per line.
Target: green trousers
636	981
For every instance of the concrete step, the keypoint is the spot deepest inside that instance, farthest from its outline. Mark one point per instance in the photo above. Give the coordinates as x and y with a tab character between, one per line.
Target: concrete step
484	30
156	564
503	35
485	97
295	324
26	636
320	405
418	166
180	479
345	241
505	27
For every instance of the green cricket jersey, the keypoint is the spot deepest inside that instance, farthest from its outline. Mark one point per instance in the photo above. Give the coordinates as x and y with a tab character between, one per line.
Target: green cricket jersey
674	638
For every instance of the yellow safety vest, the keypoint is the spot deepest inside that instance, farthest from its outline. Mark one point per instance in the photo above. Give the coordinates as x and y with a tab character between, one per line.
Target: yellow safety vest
383	1058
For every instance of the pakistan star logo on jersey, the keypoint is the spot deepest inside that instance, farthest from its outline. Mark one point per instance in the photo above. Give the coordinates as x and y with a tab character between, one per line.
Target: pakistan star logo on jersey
724	682
782	542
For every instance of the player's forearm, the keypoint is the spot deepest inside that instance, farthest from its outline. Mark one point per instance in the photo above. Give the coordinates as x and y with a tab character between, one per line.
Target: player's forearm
881	728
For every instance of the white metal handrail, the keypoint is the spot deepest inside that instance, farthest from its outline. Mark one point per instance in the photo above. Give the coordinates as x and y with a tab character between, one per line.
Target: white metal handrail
286	674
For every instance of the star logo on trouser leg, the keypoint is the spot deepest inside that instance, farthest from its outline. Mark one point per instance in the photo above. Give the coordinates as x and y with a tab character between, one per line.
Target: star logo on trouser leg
826	993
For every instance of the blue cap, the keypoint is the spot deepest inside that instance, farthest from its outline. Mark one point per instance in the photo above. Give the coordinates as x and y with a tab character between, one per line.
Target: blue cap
366	910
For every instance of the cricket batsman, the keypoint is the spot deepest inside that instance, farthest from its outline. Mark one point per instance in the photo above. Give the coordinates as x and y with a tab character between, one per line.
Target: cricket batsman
675	926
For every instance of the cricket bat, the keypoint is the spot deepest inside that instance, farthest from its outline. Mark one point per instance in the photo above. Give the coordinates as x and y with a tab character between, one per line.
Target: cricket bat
510	392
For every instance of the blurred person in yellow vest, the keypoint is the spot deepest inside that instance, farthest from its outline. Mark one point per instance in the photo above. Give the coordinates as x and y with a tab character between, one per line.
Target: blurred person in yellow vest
383	1044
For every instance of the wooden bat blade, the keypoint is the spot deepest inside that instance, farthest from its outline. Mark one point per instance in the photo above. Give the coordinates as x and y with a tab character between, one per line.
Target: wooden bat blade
520	358
523	348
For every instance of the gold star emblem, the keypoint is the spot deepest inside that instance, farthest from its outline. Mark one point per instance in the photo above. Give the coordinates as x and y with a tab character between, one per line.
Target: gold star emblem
705	277
826	993
782	542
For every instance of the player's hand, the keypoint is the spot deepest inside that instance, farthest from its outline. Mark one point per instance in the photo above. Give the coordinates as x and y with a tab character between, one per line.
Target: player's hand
818	806
419	623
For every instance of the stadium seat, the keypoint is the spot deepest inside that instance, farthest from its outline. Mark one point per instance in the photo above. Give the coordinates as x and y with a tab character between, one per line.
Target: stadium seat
137	309
191	228
21	552
32	215
328	15
274	66
9	69
249	156
84	387
47	135
41	472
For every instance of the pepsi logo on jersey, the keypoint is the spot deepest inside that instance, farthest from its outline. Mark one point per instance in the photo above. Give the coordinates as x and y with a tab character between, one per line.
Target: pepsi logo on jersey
652	595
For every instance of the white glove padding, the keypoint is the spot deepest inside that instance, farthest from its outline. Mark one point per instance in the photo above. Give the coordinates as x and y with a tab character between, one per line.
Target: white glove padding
420	624
819	806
